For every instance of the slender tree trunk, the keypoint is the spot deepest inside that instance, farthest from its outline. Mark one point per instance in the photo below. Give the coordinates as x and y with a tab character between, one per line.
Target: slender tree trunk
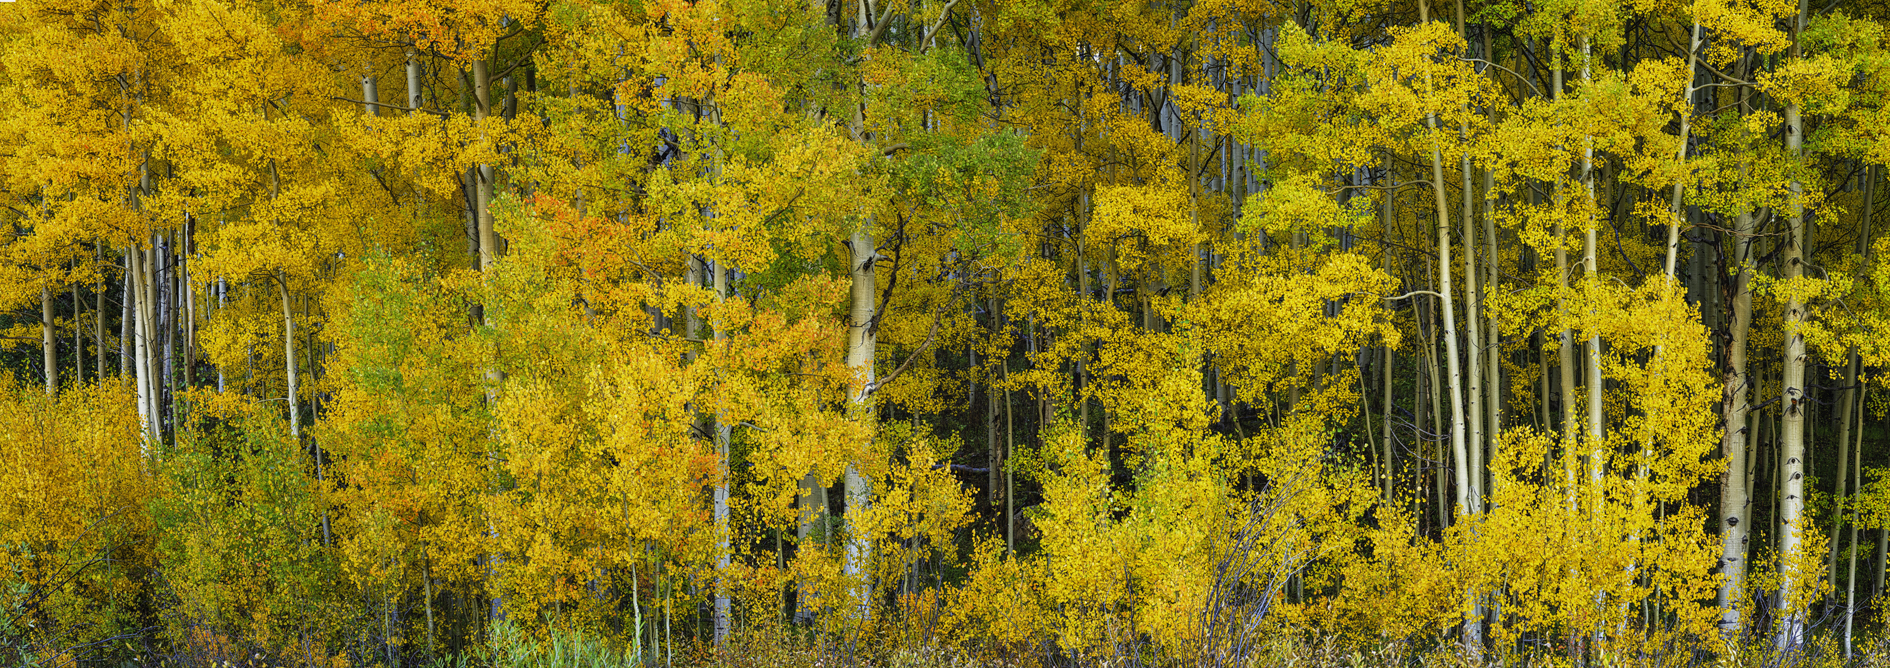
288	358
721	509
1865	245
78	337
1735	487
1846	406
1850	580
1686	118
188	301
1473	392
1386	359
1566	353
1449	320
1465	502
1793	405
812	530
149	307
413	82
295	409
482	106
141	348
1082	381
1449	316
1010	446
1851	390
1109	299
860	349
1388	452
126	324
1431	401
223	291
166	314
1591	266
98	315
1493	366
49	344
1877	566
636	609
1388	364
993	458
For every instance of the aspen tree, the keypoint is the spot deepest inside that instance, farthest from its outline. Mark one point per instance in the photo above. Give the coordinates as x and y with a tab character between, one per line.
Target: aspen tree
1792	375
862	255
1591	372
1464	504
1473	374
1387	366
1849	404
49	346
143	305
720	501
98	315
1735	490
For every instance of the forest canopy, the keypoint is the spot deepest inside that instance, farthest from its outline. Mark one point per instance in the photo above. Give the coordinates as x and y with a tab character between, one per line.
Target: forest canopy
915	332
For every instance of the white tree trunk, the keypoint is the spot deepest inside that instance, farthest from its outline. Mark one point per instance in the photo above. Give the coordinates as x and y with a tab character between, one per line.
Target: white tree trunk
1473	621
141	303
1735	488
1792	426
1493	345
1591	267
721	612
288	356
49	344
860	348
482	174
1473	393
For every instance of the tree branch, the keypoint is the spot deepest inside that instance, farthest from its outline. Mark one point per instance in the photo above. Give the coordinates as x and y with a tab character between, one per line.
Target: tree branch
926	43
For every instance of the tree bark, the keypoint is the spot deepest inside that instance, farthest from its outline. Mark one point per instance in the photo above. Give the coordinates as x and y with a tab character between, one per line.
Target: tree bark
49	344
482	174
1493	367
78	337
1388	359
812	530
1857	479
413	82
141	353
1851	390
98	315
1473	393
1010	447
1686	118
166	314
1591	266
288	357
1431	401
1465	502
1566	353
1793	403
1846	406
1877	566
722	466
860	349
993	458
1735	487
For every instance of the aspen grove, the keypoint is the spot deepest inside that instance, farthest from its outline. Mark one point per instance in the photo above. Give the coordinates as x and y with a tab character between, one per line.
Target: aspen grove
944	332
